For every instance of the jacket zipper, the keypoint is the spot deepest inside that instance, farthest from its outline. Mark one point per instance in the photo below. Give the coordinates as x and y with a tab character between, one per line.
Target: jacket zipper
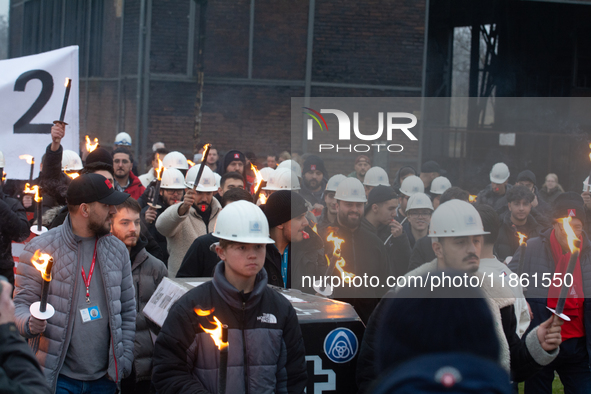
115	358
244	347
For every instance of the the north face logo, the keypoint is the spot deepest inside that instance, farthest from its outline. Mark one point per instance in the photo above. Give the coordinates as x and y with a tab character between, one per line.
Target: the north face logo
108	183
572	212
313	167
237	155
268	318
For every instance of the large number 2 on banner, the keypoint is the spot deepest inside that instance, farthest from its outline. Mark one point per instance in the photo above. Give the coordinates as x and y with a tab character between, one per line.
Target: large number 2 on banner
24	125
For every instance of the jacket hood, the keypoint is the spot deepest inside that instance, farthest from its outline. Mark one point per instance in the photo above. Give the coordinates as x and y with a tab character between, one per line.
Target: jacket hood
231	295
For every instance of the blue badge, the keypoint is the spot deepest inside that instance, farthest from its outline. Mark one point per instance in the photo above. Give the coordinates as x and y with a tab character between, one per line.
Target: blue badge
340	345
90	314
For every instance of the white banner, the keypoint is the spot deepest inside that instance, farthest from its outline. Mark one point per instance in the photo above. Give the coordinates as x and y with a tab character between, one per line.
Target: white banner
32	90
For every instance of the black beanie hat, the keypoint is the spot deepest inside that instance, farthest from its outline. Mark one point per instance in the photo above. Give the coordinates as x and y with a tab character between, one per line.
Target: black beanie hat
99	154
231	156
314	163
526	175
380	194
569	204
463	320
282	206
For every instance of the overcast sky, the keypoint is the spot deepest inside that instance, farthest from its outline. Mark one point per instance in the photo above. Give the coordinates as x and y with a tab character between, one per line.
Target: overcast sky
4	7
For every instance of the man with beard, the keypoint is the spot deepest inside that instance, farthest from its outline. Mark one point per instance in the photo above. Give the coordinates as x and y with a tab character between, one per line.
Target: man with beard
147	272
456	234
314	182
89	340
364	253
195	216
126	181
362	165
172	187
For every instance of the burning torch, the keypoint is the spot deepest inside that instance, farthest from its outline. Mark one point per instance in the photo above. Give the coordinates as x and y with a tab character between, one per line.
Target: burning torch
258	185
336	261
574	245
203	164
42	310
472	198
38	229
154	202
522	248
91	146
220	338
30	160
68	85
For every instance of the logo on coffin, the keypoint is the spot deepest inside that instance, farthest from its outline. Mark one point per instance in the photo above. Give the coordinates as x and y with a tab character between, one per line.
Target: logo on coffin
341	345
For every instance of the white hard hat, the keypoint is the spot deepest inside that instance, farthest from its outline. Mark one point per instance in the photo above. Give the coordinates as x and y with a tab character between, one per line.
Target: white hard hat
499	173
172	179
456	218
376	176
123	139
292	165
243	221
175	160
71	161
586	187
218	179
266	172
412	185
283	179
207	182
440	185
2	162
351	190
158	145
419	201
333	182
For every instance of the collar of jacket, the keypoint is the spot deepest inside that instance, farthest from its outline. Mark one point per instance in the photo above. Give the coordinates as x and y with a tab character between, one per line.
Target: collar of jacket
133	180
231	295
141	244
68	234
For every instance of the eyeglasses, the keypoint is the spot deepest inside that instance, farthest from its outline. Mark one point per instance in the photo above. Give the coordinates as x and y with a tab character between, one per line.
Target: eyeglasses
425	214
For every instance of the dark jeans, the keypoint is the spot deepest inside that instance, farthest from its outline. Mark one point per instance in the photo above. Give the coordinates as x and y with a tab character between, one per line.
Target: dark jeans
66	385
572	365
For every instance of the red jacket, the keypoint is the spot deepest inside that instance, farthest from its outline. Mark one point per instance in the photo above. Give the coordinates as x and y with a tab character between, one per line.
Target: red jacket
135	188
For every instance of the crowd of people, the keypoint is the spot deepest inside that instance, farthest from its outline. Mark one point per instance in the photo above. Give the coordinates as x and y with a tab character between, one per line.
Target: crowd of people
115	234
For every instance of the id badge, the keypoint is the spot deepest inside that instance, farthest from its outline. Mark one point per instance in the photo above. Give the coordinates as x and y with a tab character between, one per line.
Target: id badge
90	314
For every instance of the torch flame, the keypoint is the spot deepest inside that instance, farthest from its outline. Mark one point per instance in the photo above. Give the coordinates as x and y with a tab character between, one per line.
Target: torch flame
315	228
33	190
263	199
522	238
68	80
190	163
215	333
90	146
160	168
472	198
204	149
3	176
30	159
259	178
337	242
570	234
41	267
72	175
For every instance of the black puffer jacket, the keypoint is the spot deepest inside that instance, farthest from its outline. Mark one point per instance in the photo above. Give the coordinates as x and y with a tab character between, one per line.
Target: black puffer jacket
155	235
200	261
13	227
266	350
19	370
508	241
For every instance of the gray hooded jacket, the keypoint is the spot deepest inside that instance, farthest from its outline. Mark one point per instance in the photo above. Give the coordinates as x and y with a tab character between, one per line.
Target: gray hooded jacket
49	347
